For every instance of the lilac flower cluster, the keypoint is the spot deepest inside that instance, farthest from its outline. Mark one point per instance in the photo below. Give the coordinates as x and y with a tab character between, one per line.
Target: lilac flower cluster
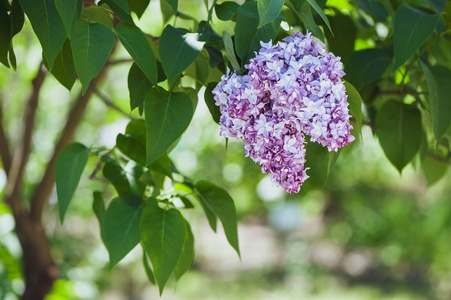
292	88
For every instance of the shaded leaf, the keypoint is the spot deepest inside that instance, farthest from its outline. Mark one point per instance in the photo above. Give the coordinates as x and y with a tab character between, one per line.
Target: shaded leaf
138	6
125	180
120	9
320	13
178	49
163	236
17	17
147	268
168	115
68	169
228	45
433	169
98	14
121	226
162	166
210	101
411	28
187	257
400	132
98	206
248	36
98	41
226	10
5	36
438	78
219	201
214	57
345	32
63	68
137	45
138	85
303	11
367	66
355	103
47	25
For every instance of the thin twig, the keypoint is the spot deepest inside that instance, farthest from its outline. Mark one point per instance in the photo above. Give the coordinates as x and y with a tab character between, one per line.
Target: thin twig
109	103
439	158
92	176
5	153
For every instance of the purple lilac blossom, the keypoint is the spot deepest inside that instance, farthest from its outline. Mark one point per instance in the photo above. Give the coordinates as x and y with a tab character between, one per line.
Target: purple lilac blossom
292	88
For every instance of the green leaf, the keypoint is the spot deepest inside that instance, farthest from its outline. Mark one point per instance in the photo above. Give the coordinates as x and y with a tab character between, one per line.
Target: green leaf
438	78
411	28
163	236
5	36
98	41
303	11
125	180
147	268
268	11
120	9
248	36
400	132
367	66
355	104
219	201
162	166
345	34
433	169
226	10
214	56
173	4
168	115
63	67
68	169
138	46
138	85
69	11
17	17
121	226
138	6
166	10
320	13
228	45
187	257
131	148
98	206
210	101
98	14
178	49
47	25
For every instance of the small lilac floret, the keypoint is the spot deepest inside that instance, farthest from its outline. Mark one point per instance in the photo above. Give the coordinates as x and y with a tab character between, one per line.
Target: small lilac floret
292	88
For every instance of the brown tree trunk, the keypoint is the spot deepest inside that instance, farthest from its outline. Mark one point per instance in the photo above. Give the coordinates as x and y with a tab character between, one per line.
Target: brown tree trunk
40	270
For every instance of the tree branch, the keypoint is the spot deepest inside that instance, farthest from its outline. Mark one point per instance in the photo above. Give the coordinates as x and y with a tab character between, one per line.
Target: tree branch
20	158
5	153
45	186
108	102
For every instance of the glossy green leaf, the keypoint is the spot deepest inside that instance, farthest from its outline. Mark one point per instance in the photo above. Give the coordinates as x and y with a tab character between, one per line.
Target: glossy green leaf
228	45
168	115
303	11
47	25
69	11
63	67
226	10
219	201
438	79
210	101
400	132
121	226
138	6
98	41
68	169
163	236
178	49
248	36
268	11
139	49
98	14
355	103
187	257
138	85
367	66
411	28
5	36
147	268
320	13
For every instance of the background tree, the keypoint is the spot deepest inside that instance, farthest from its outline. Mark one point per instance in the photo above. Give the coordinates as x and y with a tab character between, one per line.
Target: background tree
395	54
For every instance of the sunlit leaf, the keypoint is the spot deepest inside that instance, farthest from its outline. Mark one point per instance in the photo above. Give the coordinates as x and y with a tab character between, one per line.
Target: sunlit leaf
268	11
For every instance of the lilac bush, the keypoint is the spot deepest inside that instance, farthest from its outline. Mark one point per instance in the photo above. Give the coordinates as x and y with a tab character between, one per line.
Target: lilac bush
292	88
